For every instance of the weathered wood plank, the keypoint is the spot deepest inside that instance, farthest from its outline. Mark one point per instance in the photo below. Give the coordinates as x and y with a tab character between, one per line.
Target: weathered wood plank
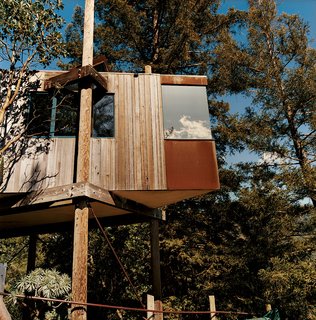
70	191
80	261
136	135
43	170
149	136
143	156
137	162
161	141
78	74
84	135
99	194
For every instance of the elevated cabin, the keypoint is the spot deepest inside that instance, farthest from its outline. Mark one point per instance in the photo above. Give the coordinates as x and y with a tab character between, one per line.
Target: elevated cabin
150	146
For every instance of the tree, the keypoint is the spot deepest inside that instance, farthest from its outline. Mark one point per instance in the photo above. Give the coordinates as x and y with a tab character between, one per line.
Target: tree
29	36
171	36
276	68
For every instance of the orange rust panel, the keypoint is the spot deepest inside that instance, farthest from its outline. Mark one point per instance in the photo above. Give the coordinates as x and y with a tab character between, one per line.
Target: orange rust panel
191	164
184	80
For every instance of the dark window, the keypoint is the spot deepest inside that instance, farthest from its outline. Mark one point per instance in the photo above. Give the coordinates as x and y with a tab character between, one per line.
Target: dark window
185	111
56	115
65	113
53	114
39	114
103	115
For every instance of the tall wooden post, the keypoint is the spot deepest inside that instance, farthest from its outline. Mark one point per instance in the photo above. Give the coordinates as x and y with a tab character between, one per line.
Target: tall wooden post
155	258
80	250
4	314
212	307
84	134
31	257
155	266
80	261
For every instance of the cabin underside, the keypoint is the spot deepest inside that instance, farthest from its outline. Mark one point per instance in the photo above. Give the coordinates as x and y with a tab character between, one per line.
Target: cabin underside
53	209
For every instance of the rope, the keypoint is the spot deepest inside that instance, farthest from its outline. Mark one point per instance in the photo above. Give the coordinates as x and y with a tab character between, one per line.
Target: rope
106	306
117	257
17	253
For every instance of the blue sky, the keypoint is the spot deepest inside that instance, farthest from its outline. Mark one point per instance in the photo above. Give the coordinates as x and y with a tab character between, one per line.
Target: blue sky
305	8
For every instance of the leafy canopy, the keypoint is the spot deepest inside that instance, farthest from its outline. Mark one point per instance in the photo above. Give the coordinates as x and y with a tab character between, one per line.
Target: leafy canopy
30	31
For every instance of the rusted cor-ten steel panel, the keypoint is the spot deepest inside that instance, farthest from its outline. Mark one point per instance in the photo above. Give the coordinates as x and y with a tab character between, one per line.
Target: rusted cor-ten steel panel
183	80
191	165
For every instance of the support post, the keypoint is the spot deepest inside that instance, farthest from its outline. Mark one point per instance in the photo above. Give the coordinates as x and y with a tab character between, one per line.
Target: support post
212	307
155	258
83	162
80	250
4	314
158	306
80	261
155	266
31	258
153	304
148	69
150	306
3	271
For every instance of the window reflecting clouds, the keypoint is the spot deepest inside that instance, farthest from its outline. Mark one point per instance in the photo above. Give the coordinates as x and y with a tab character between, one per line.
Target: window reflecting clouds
185	112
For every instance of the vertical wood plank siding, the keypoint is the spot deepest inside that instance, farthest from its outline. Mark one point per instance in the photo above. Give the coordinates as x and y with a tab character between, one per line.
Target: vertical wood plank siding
135	159
44	170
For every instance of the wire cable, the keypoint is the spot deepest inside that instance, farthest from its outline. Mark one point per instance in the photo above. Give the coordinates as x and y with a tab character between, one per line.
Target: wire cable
117	257
14	256
106	306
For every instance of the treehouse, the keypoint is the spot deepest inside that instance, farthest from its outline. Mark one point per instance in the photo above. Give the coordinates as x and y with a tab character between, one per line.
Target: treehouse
150	146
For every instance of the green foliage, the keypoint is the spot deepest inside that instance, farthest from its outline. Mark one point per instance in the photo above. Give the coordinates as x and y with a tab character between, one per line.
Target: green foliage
29	36
44	283
13	252
276	70
291	285
47	284
172	36
29	31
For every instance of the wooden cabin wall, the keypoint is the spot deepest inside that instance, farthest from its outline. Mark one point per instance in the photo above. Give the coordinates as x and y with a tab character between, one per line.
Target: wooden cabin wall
134	159
42	170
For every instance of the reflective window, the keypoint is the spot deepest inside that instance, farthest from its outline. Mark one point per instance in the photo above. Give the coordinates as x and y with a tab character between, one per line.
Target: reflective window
39	116
185	111
65	114
57	115
103	116
53	114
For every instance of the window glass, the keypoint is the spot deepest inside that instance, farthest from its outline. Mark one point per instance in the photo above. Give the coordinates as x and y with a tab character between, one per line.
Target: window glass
53	114
103	115
39	114
185	111
65	113
57	115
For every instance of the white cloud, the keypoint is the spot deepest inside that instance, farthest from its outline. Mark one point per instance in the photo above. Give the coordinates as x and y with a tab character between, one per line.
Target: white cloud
190	129
271	158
